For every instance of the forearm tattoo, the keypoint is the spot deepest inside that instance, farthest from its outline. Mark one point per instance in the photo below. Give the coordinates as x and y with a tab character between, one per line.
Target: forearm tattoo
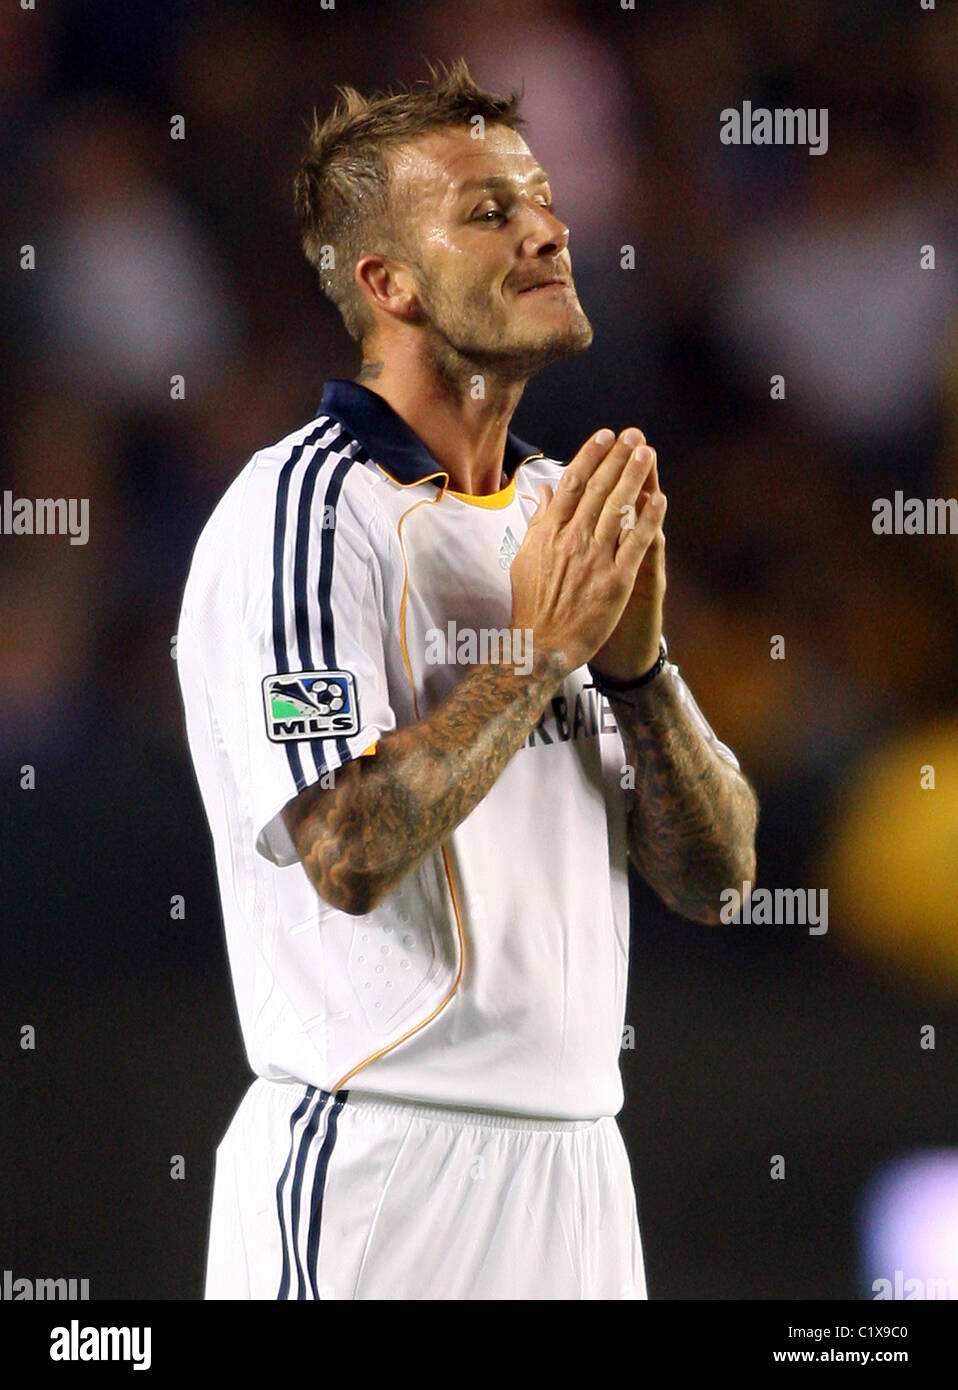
387	812
691	816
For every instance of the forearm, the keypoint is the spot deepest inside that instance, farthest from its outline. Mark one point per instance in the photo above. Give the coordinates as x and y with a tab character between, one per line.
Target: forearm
388	812
691	815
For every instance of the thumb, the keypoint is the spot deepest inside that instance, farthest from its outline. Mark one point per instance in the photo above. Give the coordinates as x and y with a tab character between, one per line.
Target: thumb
545	497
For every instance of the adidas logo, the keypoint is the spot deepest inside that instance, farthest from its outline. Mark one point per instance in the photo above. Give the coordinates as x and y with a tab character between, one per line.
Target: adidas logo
508	549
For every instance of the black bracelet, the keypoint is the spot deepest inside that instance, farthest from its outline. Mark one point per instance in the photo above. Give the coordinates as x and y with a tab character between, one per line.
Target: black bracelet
606	685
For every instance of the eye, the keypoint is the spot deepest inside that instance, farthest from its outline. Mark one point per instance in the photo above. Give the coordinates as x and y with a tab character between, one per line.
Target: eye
495	213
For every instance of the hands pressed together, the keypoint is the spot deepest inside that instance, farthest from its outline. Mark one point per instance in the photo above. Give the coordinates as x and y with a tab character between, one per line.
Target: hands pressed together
589	577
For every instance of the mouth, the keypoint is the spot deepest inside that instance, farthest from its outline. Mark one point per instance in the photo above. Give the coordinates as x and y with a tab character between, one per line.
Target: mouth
545	285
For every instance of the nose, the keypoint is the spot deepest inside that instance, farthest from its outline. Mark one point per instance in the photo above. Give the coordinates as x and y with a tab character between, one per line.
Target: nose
547	235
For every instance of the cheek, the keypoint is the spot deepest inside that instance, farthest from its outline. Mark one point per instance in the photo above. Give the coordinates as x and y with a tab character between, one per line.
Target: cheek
440	250
459	265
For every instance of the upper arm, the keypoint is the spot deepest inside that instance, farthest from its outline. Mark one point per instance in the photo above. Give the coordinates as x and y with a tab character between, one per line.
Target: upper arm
315	689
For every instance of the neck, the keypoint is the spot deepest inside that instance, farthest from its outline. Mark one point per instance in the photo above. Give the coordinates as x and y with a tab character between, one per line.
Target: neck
466	437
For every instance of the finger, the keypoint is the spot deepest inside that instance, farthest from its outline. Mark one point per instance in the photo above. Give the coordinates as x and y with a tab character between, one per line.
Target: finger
619	511
595	496
545	494
577	473
654	556
651	483
580	476
634	544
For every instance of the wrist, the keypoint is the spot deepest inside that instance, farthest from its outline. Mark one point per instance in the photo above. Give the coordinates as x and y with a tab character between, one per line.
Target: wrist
550	666
543	673
614	686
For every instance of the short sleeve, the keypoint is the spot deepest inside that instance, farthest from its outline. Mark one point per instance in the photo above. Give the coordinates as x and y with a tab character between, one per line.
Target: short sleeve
315	689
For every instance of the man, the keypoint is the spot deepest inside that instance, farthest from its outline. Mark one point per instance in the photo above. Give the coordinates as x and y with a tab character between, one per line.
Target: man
395	636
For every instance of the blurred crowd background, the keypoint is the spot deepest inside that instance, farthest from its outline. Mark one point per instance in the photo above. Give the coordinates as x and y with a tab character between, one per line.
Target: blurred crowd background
157	256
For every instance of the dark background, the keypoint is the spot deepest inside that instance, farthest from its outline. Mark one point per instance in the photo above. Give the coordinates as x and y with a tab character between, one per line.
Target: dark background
158	256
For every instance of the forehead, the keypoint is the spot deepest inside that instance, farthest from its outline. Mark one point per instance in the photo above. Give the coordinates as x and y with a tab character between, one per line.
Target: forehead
442	164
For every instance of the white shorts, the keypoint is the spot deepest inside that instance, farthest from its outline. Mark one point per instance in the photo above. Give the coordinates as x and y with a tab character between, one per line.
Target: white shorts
358	1196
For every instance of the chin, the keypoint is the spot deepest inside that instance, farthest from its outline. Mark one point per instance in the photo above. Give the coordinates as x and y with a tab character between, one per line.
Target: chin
565	343
525	360
517	357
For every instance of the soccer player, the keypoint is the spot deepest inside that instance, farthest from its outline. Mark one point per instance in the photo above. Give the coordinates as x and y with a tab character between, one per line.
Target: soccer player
432	717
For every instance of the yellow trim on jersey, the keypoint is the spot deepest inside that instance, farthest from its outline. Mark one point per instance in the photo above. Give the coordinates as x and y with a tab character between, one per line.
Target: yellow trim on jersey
426	501
439	1007
439	473
368	752
502	498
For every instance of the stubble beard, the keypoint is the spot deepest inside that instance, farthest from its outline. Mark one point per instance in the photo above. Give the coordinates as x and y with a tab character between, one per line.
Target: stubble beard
461	342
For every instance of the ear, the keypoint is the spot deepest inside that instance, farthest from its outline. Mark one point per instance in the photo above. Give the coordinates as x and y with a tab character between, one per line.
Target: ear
388	287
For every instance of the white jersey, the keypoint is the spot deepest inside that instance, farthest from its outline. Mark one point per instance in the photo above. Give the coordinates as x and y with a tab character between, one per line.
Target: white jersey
333	596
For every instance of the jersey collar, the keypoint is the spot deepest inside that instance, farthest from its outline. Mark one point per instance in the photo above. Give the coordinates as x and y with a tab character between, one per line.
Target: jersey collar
392	443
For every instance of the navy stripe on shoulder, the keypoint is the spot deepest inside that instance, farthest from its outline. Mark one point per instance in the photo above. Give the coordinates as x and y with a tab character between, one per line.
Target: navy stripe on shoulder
319	487
329	498
279	544
301	562
337	440
326	567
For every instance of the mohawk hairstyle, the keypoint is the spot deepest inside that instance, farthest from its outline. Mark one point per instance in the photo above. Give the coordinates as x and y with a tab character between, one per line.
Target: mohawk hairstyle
342	187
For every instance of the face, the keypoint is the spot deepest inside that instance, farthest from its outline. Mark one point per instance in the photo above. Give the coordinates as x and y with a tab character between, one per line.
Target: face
489	257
